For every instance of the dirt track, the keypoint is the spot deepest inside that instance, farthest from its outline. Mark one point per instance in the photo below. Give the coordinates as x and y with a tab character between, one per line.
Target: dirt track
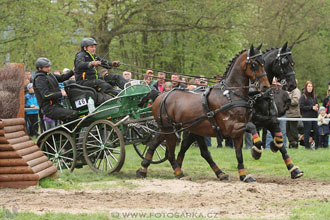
267	198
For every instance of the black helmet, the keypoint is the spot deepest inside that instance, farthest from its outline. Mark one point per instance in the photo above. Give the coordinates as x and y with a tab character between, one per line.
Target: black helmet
42	62
87	42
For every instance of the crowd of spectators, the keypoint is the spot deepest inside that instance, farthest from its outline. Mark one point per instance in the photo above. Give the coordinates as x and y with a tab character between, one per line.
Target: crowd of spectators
311	134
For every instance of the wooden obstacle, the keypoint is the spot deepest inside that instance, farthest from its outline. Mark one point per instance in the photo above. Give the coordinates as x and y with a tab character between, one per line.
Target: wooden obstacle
22	163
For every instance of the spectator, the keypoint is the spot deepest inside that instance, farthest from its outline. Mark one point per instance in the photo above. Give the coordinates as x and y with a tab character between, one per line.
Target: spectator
159	86
150	73
127	75
203	81
293	112
27	80
31	115
197	80
326	101
175	79
248	140
324	129
60	84
309	108
28	75
168	86
65	70
191	85
147	79
269	136
183	80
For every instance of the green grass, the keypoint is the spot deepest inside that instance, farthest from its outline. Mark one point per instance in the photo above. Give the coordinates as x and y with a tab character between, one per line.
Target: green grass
53	216
311	209
314	164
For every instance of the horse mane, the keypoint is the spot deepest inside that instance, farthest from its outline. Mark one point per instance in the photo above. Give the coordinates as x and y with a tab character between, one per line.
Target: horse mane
230	64
269	50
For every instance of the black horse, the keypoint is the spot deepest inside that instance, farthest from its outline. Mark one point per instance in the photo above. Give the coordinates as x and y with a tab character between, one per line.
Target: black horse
280	64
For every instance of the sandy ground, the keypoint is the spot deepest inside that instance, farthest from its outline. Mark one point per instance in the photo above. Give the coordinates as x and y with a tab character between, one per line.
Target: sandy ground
267	198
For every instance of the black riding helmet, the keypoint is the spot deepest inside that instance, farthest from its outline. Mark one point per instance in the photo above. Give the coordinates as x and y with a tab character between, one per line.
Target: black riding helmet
42	62
87	42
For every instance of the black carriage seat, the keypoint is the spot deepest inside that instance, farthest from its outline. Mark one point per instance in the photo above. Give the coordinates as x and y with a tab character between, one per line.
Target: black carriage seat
78	95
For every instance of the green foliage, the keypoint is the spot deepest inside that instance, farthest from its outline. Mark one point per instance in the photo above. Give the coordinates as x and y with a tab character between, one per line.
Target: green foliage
192	37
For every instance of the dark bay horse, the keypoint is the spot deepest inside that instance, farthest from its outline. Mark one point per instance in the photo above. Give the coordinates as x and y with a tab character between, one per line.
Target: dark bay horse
280	64
226	111
264	115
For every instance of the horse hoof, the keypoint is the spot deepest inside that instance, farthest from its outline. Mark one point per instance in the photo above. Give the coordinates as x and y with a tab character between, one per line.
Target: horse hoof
188	178
141	174
180	176
224	177
248	179
273	147
256	155
295	174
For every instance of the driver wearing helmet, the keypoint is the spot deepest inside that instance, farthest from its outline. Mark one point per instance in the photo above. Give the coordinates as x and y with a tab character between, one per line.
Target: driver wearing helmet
48	93
86	63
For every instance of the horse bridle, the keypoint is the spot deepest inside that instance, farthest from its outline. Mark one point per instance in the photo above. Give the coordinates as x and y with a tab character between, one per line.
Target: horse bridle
254	64
283	60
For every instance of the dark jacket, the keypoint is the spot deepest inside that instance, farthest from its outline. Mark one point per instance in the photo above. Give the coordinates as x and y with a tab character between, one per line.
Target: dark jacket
326	104
83	68
46	87
155	87
306	106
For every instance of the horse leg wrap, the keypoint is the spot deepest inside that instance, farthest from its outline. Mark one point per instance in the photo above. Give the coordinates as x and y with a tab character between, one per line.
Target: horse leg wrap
141	173
242	174
257	149
278	139
296	172
145	163
178	173
147	160
221	175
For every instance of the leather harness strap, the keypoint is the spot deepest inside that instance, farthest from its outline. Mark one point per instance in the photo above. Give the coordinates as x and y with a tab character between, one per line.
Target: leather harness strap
209	114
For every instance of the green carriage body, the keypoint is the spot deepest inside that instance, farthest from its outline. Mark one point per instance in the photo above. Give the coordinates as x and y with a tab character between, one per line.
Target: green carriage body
110	121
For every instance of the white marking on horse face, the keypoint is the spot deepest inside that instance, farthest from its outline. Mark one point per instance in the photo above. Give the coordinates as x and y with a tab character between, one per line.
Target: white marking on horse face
226	118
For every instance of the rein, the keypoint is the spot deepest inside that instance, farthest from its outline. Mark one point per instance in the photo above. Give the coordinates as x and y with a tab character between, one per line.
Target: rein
181	74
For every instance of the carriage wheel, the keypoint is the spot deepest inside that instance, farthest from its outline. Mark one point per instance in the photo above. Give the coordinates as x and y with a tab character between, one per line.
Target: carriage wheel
103	146
60	148
160	154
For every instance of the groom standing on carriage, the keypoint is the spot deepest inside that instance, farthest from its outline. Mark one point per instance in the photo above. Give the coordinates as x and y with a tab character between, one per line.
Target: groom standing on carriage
86	63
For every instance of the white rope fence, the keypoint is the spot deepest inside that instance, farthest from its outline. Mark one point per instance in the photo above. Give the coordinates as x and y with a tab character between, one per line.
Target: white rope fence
301	119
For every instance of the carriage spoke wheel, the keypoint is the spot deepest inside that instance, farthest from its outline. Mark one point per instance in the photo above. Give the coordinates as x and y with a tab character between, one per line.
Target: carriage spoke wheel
60	148
160	154
103	147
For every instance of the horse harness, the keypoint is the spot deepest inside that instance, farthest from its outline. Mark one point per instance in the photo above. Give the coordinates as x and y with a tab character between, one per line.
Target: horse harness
283	61
209	114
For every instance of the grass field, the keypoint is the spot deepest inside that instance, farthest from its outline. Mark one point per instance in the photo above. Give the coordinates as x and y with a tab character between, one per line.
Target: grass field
315	165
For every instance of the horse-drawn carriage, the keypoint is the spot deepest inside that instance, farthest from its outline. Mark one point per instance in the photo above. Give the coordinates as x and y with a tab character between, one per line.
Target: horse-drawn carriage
98	138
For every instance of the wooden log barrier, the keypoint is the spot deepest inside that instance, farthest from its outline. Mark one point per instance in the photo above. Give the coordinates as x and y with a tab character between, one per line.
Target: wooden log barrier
22	163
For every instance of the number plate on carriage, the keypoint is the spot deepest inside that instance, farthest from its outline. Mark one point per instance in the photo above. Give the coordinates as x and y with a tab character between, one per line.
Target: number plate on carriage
81	102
